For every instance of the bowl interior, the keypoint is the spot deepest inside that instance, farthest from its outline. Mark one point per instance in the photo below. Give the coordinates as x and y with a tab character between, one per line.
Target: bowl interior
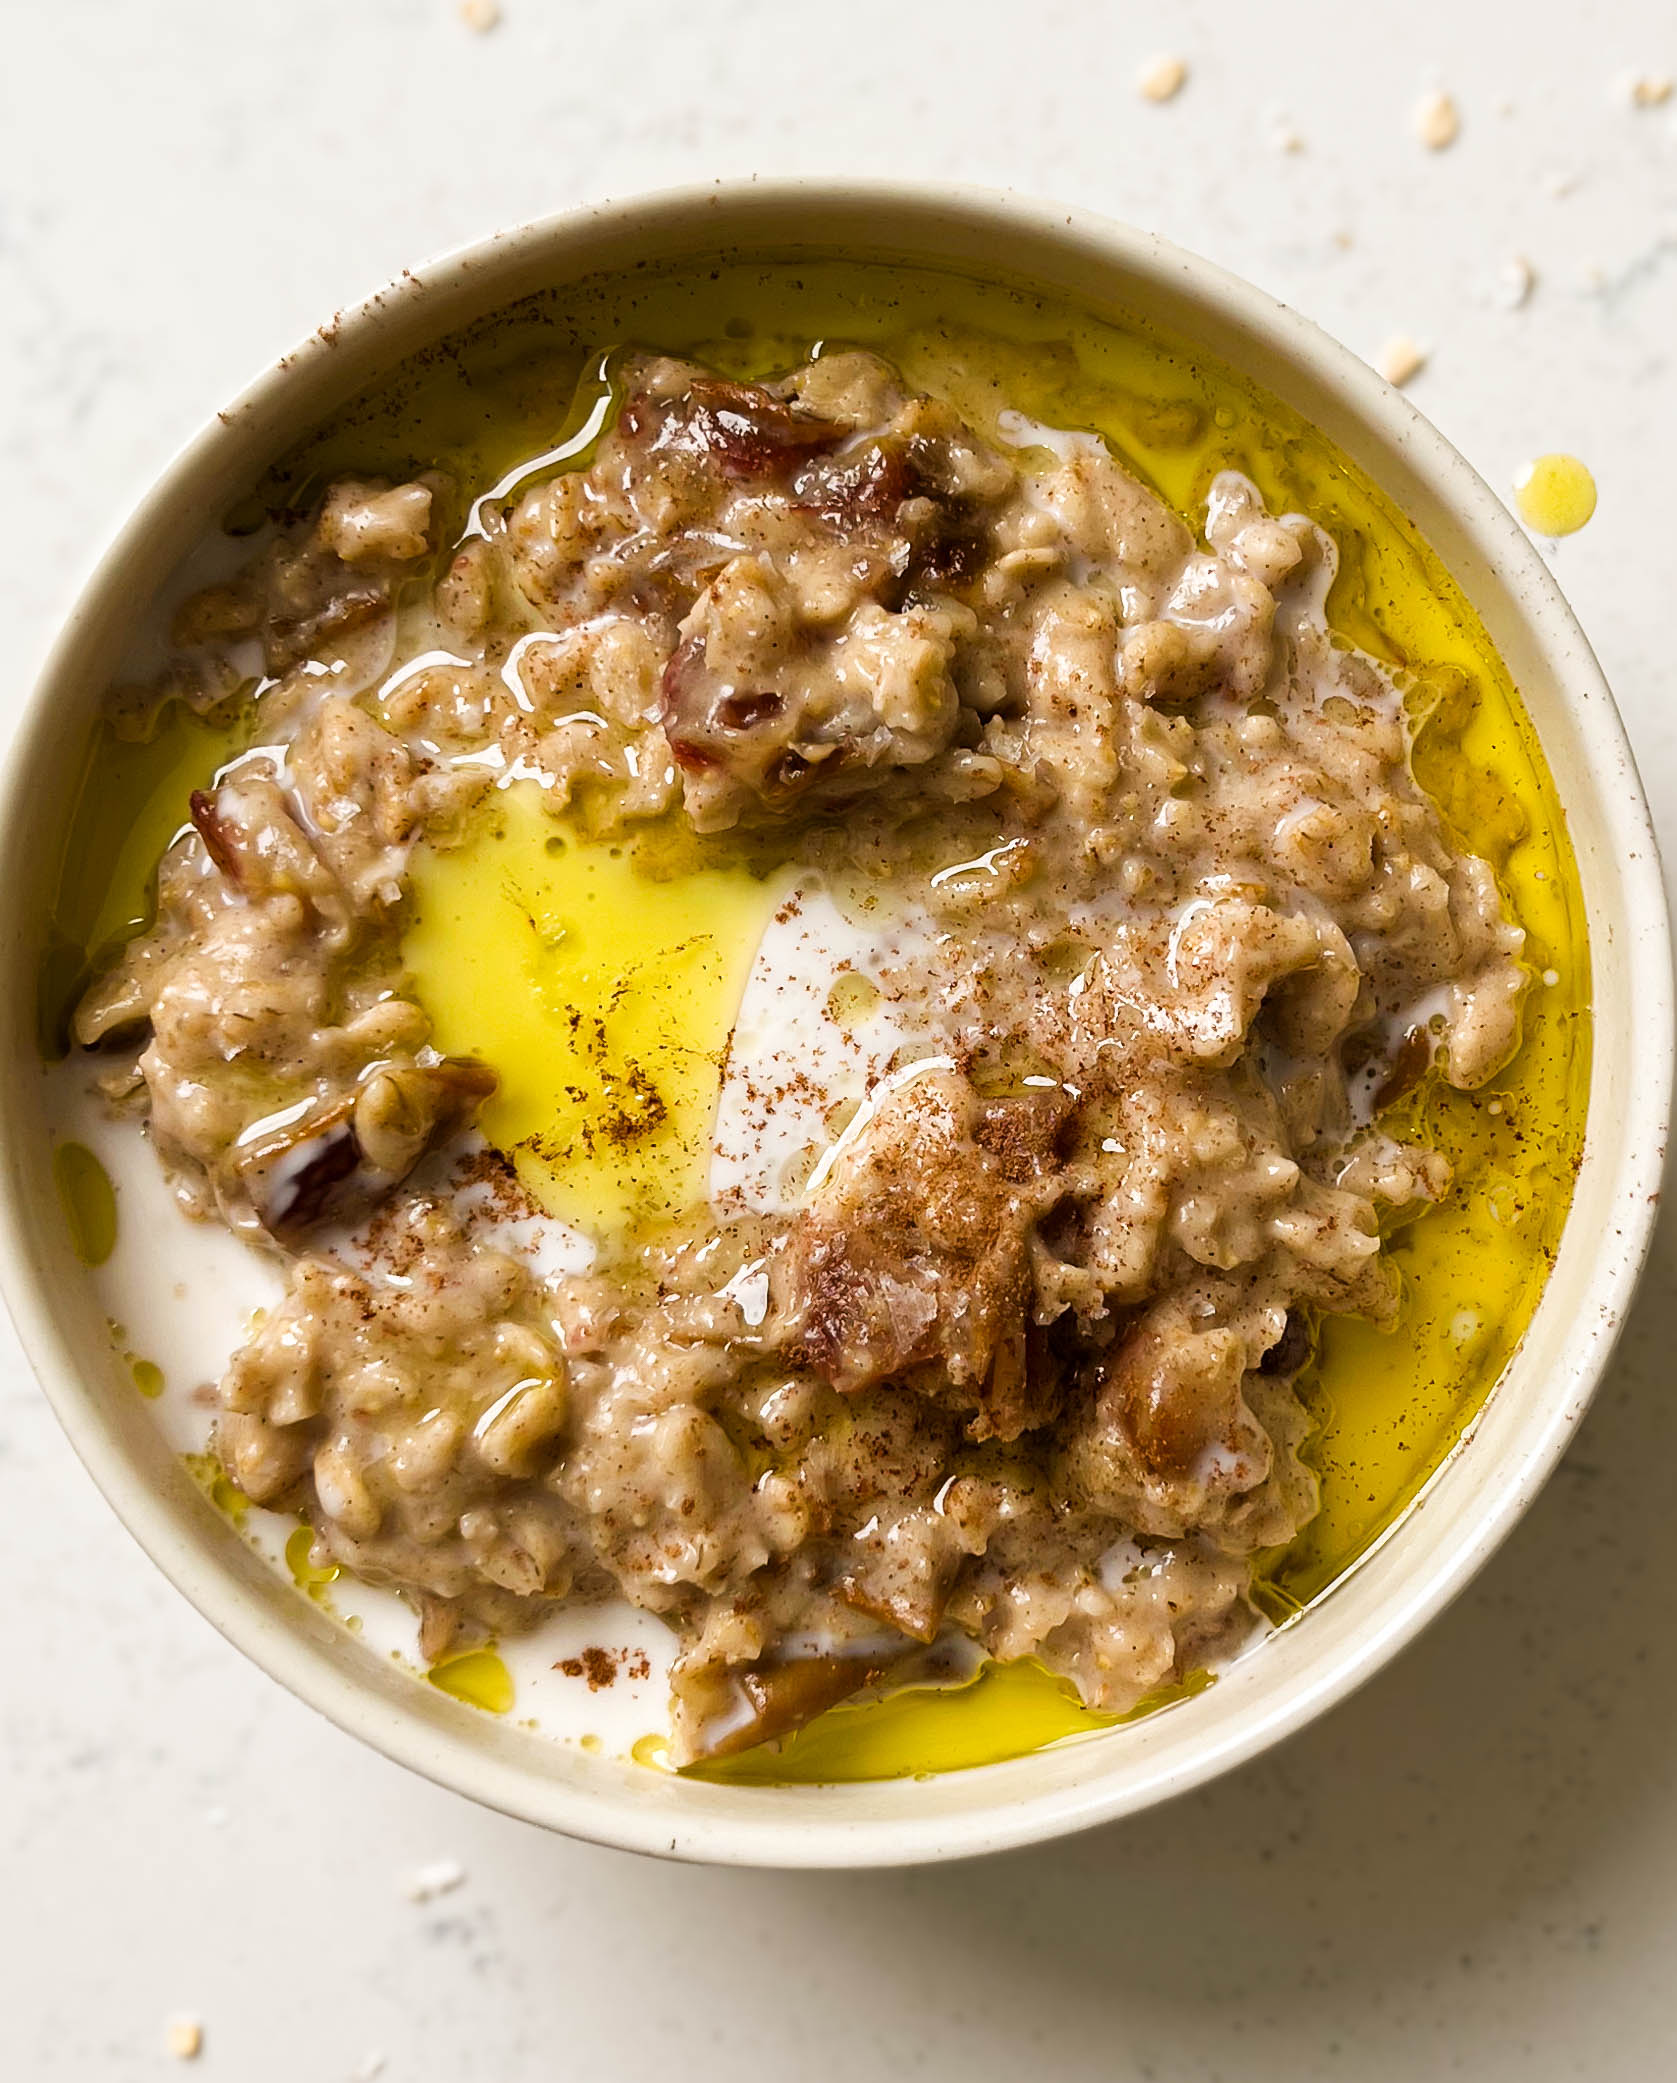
1475	1497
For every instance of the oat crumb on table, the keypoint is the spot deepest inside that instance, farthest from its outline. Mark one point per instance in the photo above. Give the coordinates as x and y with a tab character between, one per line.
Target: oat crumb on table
1400	359
184	2038
1516	279
481	15
440	1877
1437	121
1162	78
1650	90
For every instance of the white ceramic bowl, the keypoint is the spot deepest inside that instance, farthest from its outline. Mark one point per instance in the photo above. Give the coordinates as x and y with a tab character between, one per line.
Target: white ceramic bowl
1475	1498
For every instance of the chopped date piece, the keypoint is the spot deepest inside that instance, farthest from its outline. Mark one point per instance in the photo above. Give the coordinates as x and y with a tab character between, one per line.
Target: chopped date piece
1292	1349
710	725
1410	1065
767	703
745	430
949	551
741	711
339	1161
719	1711
1173	1395
851	492
903	1572
890	499
303	1177
218	842
914	1260
290	639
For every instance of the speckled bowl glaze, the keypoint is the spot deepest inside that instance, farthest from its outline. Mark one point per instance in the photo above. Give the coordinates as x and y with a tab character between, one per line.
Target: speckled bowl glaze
1476	1496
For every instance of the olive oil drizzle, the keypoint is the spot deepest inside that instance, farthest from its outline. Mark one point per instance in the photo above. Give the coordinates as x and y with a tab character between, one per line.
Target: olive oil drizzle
479	1677
88	1199
1388	1406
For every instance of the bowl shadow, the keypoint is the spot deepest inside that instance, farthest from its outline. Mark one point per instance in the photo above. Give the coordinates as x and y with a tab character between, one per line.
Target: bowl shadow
1483	1777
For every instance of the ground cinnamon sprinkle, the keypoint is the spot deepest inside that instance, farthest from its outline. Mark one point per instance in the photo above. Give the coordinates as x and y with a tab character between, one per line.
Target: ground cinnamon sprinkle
598	1666
601	1666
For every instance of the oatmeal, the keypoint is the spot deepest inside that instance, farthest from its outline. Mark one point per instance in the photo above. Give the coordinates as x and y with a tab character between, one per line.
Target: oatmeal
1162	928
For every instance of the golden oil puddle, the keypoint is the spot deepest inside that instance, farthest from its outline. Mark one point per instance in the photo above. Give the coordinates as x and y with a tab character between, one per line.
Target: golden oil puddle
218	1486
479	1677
601	988
130	803
88	1199
307	1574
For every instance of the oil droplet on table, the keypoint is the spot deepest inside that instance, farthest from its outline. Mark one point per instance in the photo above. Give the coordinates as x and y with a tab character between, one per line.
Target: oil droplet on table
88	1199
479	1678
1555	494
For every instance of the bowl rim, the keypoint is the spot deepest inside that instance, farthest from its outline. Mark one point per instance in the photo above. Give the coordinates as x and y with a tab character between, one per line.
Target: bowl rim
711	217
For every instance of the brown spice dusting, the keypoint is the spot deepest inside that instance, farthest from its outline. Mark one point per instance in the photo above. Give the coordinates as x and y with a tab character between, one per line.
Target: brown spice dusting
601	1666
1409	1066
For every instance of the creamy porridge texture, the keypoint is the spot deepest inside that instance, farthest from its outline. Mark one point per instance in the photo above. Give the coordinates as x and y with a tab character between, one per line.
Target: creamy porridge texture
1163	923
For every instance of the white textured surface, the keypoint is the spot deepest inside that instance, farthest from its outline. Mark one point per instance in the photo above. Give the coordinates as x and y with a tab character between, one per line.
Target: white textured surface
1472	1868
